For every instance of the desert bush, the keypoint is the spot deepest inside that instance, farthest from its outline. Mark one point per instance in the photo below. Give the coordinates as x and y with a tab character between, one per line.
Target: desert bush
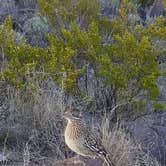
120	50
36	25
25	60
35	29
110	3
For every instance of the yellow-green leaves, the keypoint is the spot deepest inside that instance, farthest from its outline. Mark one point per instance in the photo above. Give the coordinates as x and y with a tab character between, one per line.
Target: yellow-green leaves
130	62
25	61
7	35
120	50
62	13
159	106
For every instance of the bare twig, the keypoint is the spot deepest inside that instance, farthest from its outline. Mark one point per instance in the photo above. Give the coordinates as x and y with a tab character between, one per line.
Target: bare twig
122	104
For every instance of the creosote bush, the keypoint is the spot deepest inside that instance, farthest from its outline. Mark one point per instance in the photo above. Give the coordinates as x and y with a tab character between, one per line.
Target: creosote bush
25	61
120	50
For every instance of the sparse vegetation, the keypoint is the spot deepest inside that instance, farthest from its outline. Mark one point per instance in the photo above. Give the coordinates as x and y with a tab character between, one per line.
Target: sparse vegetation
120	50
122	149
65	42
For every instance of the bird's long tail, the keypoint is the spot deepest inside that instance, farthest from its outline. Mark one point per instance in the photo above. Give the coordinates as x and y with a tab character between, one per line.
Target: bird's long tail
108	160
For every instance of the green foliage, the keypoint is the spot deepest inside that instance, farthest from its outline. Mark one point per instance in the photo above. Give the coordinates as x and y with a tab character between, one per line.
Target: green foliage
25	61
159	106
120	50
164	3
62	13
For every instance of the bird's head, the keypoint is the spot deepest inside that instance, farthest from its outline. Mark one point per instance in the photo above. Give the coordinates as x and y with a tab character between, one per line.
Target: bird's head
70	114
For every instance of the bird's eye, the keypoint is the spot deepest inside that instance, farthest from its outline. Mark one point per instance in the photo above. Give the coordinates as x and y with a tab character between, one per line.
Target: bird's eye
76	114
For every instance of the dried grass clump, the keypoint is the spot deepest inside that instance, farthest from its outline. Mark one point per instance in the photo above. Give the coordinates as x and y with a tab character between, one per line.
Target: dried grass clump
39	111
122	149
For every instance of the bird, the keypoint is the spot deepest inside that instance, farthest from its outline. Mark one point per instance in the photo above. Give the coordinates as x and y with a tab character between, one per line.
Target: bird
80	138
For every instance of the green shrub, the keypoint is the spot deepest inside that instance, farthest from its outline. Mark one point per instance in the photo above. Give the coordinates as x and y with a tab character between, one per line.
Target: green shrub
25	61
120	50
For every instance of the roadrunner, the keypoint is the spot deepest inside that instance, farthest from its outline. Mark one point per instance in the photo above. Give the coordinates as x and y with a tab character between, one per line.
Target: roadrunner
82	140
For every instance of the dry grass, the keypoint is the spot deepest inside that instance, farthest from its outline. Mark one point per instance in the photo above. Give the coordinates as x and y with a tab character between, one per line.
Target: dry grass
39	114
122	149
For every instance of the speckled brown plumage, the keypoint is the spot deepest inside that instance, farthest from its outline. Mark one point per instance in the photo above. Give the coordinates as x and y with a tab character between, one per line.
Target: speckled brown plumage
82	140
